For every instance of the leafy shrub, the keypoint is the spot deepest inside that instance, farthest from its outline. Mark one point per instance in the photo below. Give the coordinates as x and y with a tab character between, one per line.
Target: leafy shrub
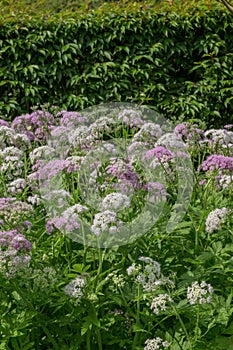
178	60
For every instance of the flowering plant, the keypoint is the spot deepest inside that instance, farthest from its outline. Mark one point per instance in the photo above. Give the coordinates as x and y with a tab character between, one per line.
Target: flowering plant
102	243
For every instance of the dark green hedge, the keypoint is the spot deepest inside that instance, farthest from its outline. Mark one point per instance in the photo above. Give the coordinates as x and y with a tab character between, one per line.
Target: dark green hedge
182	65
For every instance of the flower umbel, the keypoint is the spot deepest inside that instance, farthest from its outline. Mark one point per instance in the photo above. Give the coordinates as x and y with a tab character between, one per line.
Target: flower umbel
200	293
75	287
215	219
155	344
159	303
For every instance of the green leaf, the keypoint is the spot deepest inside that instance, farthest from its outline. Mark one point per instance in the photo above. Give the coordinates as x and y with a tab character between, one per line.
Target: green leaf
138	328
108	55
85	327
80	268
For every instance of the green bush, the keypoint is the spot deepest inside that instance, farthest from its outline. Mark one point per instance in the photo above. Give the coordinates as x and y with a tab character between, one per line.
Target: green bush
178	62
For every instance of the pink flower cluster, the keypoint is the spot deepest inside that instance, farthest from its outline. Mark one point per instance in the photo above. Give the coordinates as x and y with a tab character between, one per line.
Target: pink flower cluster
35	125
161	153
188	132
14	240
14	249
215	162
125	173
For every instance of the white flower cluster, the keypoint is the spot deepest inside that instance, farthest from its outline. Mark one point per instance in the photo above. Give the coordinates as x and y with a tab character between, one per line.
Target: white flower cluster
32	180
44	279
105	221
93	177
109	147
8	137
19	262
75	209
12	212
215	219
136	150
22	141
74	163
150	277
103	148
81	136
59	137
11	263
159	303
218	138
148	132
117	279
75	287
34	200
200	293
103	124
132	269
69	219
11	164
116	201
155	344
130	118
41	153
17	186
225	181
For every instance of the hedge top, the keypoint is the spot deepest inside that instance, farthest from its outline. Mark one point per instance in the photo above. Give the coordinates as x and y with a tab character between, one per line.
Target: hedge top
24	11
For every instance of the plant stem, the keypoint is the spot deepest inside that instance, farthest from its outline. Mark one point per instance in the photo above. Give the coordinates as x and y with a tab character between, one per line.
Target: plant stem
84	255
197	241
99	339
197	236
88	340
197	323
182	325
126	304
101	258
84	244
55	345
137	318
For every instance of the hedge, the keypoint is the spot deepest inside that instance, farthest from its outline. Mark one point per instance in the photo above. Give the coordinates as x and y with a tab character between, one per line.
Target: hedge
180	64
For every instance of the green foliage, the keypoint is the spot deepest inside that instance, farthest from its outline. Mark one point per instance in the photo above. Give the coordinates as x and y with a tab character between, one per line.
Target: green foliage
38	8
177	59
112	309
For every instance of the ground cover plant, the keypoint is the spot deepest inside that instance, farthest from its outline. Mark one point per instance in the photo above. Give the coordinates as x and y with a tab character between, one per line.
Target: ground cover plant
67	281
